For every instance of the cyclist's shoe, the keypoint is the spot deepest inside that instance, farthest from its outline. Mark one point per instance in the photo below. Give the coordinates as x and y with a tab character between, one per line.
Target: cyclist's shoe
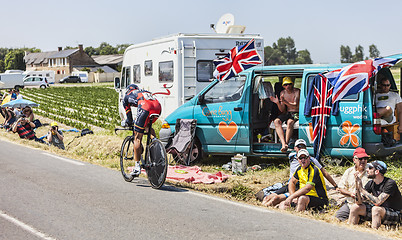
136	170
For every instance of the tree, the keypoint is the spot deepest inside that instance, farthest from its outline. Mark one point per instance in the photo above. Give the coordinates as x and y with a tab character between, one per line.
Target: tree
284	52
121	48
374	52
359	54
91	51
14	60
303	57
346	54
106	49
2	69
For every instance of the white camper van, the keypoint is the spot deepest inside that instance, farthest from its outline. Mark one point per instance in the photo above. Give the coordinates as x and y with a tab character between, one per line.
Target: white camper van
177	66
11	80
49	75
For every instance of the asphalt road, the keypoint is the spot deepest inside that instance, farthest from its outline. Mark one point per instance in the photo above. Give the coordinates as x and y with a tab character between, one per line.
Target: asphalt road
43	196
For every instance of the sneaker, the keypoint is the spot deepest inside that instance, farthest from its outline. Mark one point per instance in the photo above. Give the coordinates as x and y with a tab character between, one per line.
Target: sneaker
136	170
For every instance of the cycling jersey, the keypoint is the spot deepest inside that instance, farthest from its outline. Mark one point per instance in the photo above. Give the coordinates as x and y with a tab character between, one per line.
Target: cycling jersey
146	105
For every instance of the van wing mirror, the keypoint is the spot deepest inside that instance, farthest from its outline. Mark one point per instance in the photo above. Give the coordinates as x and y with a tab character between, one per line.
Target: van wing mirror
117	83
201	99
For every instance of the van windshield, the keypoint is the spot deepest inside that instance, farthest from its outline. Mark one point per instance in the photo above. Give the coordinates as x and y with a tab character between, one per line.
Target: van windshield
226	91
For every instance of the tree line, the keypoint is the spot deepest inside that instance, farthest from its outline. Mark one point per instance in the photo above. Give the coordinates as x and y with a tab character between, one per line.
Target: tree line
282	52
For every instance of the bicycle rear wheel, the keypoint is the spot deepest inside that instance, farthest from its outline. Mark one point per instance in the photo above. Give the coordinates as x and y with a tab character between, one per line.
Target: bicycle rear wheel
156	157
127	161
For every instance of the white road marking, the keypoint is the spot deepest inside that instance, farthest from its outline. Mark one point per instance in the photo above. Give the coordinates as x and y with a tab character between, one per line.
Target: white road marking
25	226
231	202
65	159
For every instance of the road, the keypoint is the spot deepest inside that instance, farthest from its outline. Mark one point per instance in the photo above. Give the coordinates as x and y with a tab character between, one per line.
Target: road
43	196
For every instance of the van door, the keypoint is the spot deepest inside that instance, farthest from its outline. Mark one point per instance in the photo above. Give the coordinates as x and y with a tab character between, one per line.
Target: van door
222	117
344	131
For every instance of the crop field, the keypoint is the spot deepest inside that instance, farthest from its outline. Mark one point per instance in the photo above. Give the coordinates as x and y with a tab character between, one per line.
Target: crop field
79	107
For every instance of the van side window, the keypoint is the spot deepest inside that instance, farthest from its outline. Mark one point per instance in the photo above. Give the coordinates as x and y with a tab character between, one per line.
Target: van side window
205	69
137	73
352	97
166	71
148	68
226	91
125	77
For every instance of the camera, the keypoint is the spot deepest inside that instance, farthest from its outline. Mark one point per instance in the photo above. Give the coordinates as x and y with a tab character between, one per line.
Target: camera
54	127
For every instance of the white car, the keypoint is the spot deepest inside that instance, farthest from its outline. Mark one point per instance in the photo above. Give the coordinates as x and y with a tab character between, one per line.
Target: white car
33	81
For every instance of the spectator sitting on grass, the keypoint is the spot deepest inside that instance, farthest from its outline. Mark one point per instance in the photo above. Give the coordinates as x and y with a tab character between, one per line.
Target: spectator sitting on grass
312	191
27	111
24	128
10	118
55	136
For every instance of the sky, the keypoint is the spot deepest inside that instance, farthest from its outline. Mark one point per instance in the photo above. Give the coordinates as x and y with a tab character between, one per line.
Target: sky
320	26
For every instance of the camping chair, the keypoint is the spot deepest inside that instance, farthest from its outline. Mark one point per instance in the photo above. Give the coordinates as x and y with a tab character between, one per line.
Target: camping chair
182	142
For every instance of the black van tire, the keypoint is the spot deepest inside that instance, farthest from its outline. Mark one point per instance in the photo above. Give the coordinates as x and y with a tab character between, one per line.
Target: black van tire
197	153
18	87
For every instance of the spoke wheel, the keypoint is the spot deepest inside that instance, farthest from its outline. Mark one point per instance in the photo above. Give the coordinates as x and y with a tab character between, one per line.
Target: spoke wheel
127	161
158	163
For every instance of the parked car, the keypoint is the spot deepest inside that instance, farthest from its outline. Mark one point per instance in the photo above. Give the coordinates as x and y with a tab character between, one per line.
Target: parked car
70	79
36	82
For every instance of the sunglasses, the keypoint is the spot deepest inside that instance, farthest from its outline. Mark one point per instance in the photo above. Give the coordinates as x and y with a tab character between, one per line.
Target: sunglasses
362	159
286	84
305	157
386	85
370	167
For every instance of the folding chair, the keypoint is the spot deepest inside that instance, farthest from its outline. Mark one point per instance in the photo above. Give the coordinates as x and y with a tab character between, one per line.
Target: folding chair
182	142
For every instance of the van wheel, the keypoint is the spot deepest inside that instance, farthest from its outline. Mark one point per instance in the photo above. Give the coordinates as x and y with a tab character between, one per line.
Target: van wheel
42	86
196	153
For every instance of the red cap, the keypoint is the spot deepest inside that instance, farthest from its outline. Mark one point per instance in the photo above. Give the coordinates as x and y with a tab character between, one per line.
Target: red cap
360	153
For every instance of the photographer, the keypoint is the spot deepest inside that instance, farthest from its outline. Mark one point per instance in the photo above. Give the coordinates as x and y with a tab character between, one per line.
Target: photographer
55	136
24	128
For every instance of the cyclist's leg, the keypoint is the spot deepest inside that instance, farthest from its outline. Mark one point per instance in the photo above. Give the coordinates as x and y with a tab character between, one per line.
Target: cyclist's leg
138	148
139	127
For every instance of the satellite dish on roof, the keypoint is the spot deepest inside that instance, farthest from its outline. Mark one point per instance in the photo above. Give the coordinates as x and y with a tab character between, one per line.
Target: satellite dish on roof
224	22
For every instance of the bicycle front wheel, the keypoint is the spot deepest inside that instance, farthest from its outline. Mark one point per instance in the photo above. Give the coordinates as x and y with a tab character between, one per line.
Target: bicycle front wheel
156	157
127	161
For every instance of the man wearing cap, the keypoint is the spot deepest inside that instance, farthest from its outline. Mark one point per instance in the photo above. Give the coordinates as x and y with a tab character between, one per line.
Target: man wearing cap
55	136
281	194
347	184
312	192
288	104
379	201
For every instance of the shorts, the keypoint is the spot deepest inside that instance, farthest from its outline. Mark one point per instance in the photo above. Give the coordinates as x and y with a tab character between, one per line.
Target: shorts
391	216
144	111
289	115
315	203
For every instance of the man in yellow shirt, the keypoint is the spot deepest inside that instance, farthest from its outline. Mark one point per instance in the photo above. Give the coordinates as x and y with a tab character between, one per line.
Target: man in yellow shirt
312	191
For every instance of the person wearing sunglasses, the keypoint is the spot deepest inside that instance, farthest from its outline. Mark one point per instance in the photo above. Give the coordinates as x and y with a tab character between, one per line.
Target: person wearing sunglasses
273	199
380	200
347	186
387	101
312	192
288	104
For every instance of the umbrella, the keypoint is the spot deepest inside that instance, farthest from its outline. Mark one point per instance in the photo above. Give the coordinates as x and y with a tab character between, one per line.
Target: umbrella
20	103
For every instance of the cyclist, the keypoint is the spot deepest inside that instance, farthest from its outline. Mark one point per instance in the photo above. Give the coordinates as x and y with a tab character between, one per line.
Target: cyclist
146	105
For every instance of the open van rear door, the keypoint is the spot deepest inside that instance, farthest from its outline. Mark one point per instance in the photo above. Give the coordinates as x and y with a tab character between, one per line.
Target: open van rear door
343	131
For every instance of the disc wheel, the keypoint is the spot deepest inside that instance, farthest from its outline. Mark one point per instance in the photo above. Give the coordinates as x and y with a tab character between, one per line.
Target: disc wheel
127	161
158	164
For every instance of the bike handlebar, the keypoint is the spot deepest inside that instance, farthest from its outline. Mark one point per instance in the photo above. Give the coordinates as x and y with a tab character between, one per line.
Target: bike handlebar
123	129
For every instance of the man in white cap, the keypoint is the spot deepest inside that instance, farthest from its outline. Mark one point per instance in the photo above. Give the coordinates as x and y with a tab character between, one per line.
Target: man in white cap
312	192
288	104
347	184
281	194
379	201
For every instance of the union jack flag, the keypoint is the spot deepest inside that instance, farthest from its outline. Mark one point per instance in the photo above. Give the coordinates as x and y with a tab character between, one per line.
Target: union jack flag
319	106
354	78
239	58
